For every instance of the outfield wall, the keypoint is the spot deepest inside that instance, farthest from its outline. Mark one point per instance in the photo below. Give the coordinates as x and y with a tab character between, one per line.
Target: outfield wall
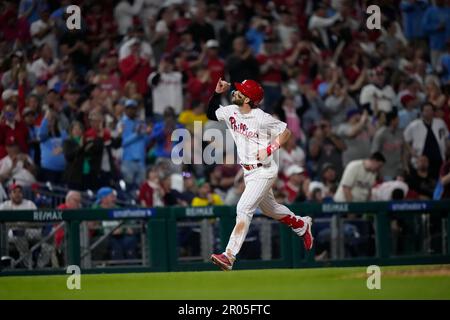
160	240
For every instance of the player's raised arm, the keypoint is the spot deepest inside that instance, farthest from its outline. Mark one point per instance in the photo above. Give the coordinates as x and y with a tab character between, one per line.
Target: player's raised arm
214	103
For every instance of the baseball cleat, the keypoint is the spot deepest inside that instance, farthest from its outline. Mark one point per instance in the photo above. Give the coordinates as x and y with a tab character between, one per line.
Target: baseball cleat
308	239
305	233
222	261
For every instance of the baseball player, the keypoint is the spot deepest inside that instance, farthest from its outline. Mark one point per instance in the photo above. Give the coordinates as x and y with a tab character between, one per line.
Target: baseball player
257	136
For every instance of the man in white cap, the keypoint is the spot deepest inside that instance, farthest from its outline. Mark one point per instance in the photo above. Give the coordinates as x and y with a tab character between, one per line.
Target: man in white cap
294	186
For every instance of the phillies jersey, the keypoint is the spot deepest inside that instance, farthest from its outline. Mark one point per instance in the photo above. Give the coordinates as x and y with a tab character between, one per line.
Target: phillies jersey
251	132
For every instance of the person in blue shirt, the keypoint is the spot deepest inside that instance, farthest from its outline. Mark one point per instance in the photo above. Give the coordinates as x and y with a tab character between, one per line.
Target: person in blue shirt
162	133
413	11
436	22
31	9
51	135
135	139
255	34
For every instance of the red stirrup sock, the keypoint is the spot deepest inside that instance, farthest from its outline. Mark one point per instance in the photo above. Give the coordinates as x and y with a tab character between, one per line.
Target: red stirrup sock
293	222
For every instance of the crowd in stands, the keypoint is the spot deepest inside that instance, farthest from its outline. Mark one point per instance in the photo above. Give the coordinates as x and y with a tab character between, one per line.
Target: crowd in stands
369	110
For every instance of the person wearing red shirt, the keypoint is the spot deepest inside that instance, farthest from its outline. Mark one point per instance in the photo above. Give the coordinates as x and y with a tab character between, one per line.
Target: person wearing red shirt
12	126
294	186
271	63
214	63
135	68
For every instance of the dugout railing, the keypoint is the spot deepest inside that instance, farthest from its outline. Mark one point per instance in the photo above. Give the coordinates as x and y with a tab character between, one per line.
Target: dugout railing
160	241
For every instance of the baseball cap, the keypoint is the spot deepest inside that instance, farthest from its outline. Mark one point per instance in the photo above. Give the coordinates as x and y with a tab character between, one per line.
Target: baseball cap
9	93
104	192
131	103
407	98
316	185
211	43
293	169
14	186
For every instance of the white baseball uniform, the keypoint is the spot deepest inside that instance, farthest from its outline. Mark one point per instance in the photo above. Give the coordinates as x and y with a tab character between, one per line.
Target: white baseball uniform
251	132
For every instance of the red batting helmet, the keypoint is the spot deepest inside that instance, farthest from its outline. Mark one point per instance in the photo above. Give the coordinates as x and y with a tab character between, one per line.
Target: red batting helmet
251	89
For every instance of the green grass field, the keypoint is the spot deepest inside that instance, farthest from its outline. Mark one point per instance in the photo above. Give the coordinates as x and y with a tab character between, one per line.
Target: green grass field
406	282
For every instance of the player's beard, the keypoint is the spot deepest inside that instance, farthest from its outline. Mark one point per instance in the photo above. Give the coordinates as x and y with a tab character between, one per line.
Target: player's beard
237	101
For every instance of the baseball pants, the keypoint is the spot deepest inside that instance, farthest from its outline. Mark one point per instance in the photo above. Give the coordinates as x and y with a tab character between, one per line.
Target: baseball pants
258	193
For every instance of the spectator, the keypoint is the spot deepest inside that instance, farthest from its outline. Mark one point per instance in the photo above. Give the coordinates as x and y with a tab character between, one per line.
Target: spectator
377	95
256	33
271	63
289	110
419	179
338	103
297	184
388	140
413	12
73	201
162	134
214	63
16	166
11	126
358	179
316	192
46	67
30	9
427	136
99	145
319	24
166	85
29	117
123	241
189	188
188	118
410	111
234	193
42	31
135	139
241	64
18	71
200	29
52	136
145	49
393	190
331	148
206	197
21	236
74	154
135	68
434	93
356	134
435	23
329	178
291	154
150	192
124	12
234	27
